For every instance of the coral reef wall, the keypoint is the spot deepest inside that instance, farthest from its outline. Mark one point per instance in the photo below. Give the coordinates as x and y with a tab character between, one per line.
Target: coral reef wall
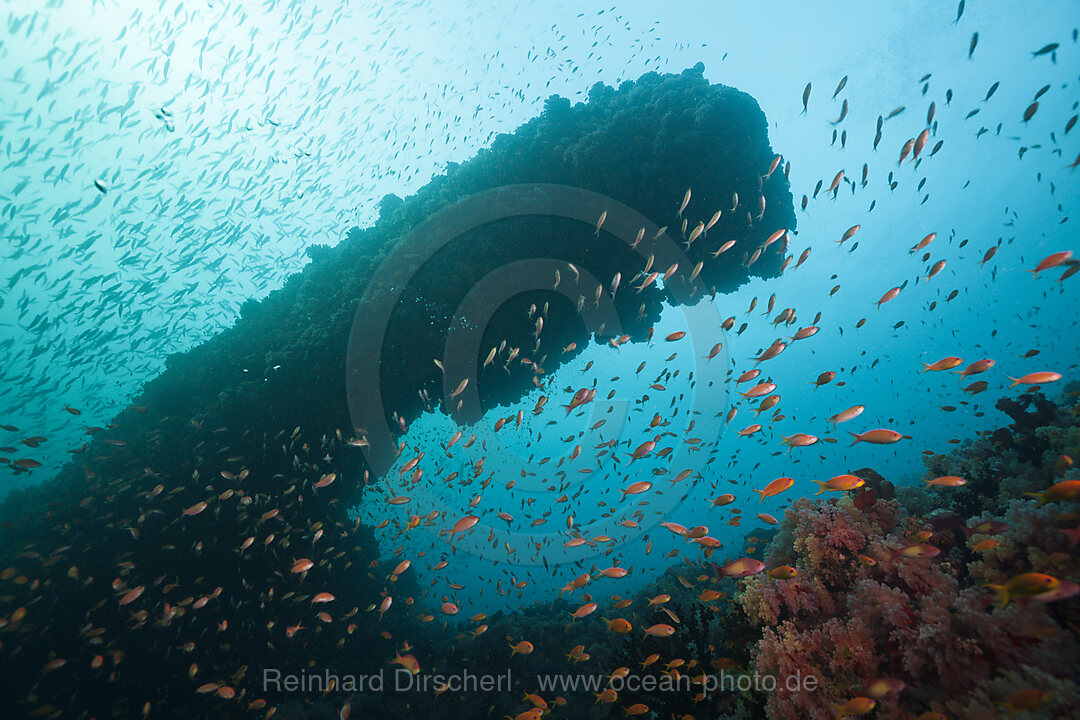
643	144
196	533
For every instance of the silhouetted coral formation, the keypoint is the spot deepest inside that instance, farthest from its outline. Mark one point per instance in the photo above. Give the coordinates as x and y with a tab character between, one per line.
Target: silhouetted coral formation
207	492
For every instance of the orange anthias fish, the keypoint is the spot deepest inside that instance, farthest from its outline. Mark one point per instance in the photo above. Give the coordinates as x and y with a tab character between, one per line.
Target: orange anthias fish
852	412
636	488
772	351
301	565
975	368
855	706
1026	585
586	609
748	375
195	509
923	243
409	662
840	483
619	625
848	234
947	481
776	487
799	440
581	397
918	550
743	567
1051	261
889	295
1064	490
132	595
879	436
947	363
759	390
1035	378
464	524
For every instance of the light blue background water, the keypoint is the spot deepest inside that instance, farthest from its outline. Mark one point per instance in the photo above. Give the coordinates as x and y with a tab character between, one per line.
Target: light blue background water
291	121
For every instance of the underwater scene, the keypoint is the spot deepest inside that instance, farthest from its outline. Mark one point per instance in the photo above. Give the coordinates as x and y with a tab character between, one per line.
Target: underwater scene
470	360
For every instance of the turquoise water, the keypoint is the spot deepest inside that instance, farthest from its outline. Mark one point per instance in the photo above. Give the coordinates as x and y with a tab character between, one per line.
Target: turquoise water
173	175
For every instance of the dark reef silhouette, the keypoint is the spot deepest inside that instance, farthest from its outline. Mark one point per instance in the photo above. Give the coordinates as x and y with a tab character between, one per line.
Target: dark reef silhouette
223	447
189	547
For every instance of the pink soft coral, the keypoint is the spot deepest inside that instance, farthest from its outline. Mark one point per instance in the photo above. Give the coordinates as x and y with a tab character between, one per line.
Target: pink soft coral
848	620
769	601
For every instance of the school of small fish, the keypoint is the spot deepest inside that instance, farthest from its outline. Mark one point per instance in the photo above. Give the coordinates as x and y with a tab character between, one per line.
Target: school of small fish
619	479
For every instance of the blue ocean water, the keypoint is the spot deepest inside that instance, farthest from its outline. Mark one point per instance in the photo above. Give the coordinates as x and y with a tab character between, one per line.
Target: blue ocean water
166	166
84	109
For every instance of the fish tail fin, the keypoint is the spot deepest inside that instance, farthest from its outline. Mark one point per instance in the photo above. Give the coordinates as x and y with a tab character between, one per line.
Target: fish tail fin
1041	496
1002	592
855	438
762	496
1015	382
823	487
